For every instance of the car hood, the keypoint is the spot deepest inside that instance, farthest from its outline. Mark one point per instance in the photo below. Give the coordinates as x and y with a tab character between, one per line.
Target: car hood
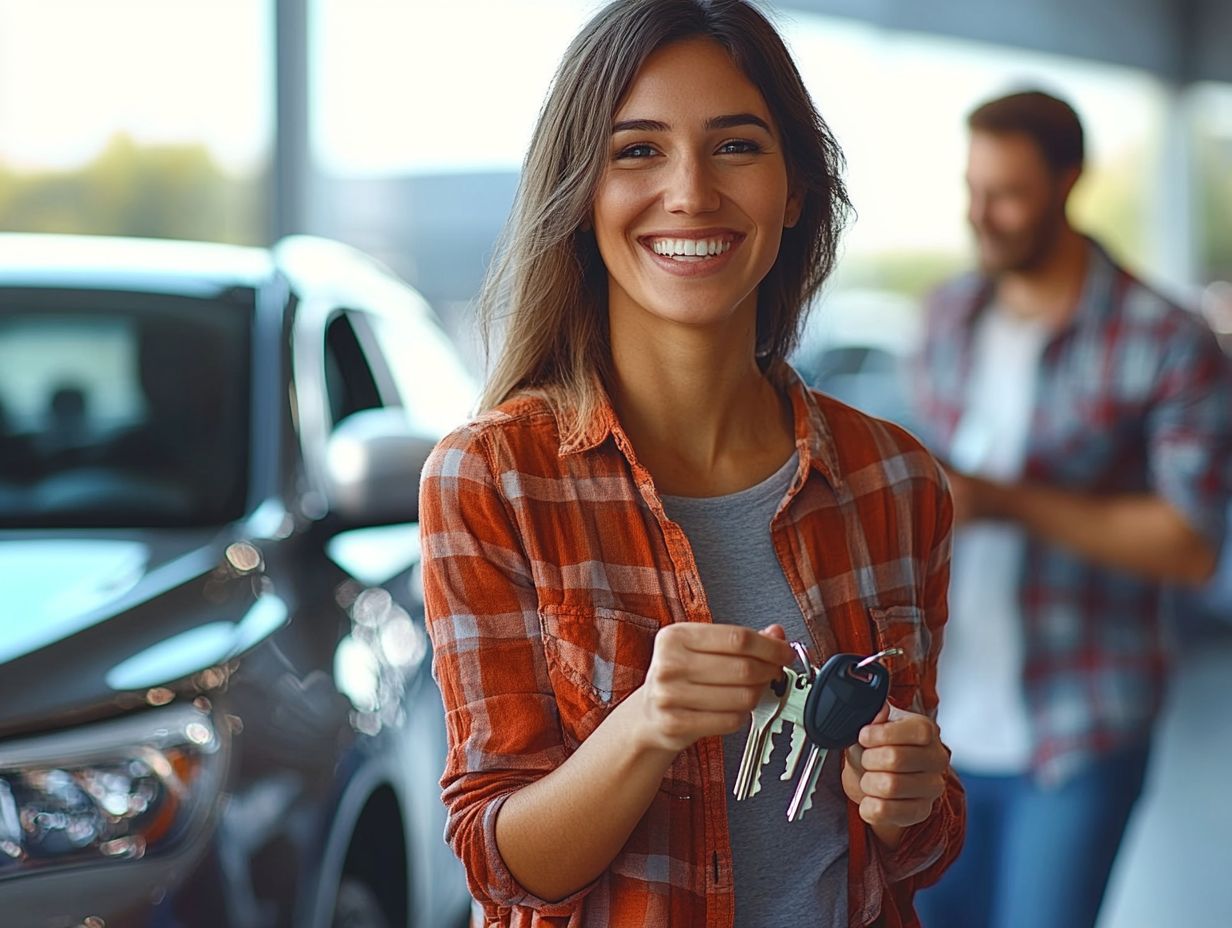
87	622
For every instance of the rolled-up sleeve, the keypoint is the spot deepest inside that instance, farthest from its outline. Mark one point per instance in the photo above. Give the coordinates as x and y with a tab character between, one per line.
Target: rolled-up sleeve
1189	429
482	614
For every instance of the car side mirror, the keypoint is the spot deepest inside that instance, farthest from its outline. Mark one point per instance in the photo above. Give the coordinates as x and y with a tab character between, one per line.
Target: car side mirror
372	465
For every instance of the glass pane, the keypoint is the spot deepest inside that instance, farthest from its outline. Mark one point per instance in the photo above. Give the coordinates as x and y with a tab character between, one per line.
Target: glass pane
1213	160
477	72
137	117
437	392
898	104
121	411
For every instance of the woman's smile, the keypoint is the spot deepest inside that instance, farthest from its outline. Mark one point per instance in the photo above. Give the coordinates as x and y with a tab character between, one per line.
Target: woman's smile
692	253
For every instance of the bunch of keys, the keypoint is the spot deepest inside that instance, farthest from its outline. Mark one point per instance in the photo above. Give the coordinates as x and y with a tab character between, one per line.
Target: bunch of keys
826	707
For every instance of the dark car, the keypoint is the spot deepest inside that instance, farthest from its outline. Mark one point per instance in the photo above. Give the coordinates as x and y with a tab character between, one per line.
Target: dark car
216	706
856	346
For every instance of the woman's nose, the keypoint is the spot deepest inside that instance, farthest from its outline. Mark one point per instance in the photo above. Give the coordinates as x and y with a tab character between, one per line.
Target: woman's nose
691	187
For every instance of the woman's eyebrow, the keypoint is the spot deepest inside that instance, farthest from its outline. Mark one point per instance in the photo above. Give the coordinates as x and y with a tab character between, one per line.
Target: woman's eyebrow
730	121
640	125
735	120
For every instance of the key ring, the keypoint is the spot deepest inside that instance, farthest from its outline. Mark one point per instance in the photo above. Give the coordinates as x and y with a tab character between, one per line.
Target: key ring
888	652
802	653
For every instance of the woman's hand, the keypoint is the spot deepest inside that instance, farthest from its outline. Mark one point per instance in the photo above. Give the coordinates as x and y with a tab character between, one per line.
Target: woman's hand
895	773
704	680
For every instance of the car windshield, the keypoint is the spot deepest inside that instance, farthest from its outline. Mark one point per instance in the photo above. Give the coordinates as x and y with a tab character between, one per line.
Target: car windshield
121	409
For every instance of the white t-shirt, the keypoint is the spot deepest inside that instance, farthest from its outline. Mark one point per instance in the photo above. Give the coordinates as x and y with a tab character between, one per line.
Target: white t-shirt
983	711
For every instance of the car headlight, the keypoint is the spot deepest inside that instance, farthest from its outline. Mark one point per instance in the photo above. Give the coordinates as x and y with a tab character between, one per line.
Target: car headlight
116	790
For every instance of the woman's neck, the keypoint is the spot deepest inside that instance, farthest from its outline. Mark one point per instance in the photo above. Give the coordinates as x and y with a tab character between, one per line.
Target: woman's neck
702	417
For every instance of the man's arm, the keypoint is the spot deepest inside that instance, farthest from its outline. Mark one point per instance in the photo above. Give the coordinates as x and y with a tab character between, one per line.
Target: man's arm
1140	533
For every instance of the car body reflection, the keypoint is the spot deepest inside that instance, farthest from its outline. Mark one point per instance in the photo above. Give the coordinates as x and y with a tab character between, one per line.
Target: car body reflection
215	702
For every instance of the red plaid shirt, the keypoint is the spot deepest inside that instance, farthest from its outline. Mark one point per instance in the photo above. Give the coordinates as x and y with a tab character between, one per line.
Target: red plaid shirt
550	566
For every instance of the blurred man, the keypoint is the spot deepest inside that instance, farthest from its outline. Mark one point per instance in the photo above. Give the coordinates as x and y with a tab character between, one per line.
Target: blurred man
1085	422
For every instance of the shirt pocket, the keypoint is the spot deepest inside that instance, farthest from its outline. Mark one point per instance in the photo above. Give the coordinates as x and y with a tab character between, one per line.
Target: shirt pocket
903	627
595	657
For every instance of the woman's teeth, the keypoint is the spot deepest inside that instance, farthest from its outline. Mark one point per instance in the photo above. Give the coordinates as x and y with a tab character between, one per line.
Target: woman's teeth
683	248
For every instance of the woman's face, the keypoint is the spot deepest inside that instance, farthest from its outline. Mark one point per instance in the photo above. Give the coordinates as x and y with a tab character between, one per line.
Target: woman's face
691	207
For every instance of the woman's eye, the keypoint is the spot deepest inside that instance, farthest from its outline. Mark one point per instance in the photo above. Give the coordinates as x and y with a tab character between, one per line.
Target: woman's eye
739	147
636	151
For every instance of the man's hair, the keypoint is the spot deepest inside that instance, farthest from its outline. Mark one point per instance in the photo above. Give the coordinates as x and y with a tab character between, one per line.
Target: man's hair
547	283
1049	122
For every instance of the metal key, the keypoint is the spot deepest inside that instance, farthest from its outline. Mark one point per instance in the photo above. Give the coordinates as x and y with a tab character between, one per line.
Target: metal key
791	711
762	716
802	799
844	696
787	683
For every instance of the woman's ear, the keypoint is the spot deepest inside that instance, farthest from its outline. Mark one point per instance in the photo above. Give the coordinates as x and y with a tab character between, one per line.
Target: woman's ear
795	206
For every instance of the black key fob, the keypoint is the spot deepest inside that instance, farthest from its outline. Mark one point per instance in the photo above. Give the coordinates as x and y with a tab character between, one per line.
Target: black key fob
843	699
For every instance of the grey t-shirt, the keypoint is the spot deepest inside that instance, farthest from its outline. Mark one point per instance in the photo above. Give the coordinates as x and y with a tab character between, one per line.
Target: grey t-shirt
786	873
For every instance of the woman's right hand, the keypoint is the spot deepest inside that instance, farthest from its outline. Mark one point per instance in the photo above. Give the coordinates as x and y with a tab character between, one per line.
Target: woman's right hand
704	680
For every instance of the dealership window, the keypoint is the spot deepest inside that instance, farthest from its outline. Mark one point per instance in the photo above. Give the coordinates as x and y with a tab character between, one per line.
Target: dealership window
139	117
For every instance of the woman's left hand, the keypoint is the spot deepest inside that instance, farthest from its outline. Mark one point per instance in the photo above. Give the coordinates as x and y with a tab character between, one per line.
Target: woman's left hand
895	773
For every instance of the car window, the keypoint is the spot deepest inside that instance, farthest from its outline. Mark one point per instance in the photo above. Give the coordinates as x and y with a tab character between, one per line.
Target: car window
433	385
122	410
349	381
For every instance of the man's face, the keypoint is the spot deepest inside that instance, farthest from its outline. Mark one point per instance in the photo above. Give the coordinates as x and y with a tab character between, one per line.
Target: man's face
1016	203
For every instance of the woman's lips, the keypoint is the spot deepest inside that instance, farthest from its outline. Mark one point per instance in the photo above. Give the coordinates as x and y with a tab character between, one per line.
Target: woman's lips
692	265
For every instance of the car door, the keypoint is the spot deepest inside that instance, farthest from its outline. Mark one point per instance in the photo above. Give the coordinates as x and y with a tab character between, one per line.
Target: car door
385	660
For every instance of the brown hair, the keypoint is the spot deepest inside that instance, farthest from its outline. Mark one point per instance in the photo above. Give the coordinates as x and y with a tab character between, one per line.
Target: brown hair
547	283
1049	122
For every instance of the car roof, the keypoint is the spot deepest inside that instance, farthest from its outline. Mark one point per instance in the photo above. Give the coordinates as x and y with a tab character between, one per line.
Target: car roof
324	268
114	263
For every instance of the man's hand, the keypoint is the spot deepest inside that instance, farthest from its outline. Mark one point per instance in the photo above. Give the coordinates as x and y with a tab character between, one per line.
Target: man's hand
1137	532
895	773
974	497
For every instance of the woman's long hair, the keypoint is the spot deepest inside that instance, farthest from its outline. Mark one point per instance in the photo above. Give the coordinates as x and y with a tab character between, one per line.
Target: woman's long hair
547	287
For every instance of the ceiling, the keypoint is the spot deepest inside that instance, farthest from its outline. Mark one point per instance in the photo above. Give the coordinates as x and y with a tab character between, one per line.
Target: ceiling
1180	41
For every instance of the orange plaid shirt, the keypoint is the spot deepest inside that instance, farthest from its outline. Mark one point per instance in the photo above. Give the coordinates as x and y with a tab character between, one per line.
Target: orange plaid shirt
550	566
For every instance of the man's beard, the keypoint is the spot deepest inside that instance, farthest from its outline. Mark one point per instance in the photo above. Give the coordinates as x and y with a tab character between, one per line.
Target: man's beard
1020	252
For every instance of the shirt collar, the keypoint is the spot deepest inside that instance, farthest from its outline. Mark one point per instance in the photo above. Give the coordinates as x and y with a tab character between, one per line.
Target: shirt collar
813	437
1093	302
602	424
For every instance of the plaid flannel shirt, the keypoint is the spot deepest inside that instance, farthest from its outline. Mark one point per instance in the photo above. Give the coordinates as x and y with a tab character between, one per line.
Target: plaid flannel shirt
1134	395
548	569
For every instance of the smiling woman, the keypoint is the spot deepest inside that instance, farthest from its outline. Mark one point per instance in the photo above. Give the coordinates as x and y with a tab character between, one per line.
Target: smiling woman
548	258
617	551
704	201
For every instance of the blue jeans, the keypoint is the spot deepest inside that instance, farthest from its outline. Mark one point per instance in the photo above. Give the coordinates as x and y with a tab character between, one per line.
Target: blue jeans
1036	857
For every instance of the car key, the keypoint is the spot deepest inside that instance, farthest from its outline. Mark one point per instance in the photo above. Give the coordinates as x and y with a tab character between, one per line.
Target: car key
845	695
